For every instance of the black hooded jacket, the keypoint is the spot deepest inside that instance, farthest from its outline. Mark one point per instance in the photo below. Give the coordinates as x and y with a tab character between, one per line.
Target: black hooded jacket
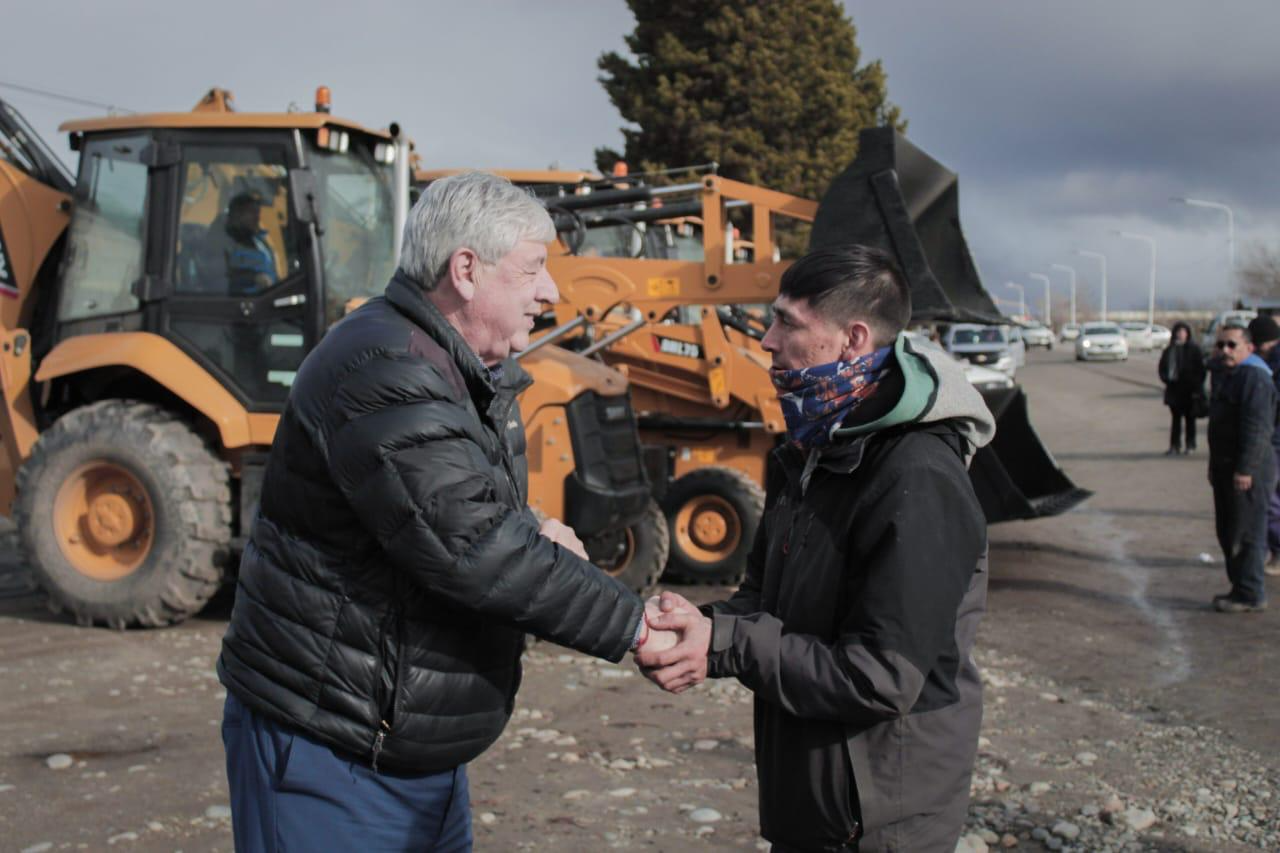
1182	371
856	620
394	565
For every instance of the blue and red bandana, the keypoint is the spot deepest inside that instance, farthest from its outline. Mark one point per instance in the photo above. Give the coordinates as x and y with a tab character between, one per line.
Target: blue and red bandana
816	400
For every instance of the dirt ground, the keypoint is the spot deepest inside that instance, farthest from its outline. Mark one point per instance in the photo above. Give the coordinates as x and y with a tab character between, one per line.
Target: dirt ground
1122	713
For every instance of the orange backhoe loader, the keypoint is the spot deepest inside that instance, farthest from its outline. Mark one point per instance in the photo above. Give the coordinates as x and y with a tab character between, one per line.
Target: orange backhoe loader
671	306
154	309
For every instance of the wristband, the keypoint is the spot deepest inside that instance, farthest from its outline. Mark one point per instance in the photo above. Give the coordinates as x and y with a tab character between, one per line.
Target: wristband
642	634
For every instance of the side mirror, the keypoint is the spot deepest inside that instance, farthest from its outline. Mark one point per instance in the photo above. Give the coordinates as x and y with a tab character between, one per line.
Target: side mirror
303	192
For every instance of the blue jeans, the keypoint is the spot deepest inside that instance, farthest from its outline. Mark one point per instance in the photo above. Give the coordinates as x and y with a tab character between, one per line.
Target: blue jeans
289	792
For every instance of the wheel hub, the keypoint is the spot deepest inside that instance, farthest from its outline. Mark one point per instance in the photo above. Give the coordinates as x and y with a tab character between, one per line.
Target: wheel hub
709	527
111	519
104	520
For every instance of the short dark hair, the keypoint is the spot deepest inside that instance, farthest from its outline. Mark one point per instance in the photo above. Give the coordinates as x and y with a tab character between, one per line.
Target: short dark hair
852	282
245	199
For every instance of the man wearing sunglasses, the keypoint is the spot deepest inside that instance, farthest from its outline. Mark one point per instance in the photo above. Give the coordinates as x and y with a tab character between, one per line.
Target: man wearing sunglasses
1242	469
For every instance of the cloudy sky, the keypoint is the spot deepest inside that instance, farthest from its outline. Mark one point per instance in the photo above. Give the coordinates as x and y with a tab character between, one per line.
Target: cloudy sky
1065	120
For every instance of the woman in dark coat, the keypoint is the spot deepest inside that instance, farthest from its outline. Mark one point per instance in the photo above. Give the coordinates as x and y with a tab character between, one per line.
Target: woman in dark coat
1182	372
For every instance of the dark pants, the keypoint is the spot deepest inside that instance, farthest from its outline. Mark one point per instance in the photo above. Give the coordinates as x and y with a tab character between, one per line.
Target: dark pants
289	792
1273	512
1241	521
1175	429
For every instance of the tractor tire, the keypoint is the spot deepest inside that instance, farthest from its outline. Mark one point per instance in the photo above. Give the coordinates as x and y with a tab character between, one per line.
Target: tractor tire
635	555
712	514
124	515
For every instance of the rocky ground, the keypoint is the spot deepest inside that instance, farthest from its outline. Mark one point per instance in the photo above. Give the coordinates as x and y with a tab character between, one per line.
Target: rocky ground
1122	714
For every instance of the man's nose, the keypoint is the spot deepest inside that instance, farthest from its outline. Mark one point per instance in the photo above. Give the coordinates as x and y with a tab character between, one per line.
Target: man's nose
768	343
547	290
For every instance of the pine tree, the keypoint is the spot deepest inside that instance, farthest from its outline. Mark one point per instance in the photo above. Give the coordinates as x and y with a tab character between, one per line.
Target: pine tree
771	91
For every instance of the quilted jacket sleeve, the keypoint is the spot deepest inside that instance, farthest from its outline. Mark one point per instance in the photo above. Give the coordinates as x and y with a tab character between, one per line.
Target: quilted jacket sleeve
405	455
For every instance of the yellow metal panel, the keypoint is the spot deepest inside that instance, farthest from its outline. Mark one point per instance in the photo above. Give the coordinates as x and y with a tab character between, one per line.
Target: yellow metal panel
162	361
212	120
17	421
31	219
664	288
717	382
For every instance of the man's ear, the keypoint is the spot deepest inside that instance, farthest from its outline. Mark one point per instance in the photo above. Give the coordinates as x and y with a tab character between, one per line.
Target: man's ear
860	340
463	264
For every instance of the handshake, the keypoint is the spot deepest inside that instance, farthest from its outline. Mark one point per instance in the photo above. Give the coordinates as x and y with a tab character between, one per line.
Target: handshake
674	641
673	645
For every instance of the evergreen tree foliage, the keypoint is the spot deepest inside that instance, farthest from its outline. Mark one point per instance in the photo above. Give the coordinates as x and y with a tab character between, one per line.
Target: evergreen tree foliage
771	90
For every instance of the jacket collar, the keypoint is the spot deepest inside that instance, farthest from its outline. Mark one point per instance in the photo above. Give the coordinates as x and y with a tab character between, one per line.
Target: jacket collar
406	295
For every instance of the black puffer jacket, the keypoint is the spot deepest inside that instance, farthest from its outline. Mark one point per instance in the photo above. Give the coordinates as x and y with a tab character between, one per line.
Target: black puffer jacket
394	565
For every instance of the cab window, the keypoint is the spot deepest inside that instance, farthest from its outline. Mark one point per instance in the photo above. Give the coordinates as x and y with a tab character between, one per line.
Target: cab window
235	235
105	241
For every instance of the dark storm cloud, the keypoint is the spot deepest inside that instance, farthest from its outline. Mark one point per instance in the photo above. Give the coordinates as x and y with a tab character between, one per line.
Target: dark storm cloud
1067	121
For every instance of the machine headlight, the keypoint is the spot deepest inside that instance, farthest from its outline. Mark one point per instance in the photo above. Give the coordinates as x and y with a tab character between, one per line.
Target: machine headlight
1086	343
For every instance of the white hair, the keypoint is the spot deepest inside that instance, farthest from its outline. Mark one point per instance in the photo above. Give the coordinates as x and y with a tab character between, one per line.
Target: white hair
473	210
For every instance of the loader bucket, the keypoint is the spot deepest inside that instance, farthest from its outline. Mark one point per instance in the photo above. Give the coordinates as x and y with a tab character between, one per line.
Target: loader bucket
1015	477
897	198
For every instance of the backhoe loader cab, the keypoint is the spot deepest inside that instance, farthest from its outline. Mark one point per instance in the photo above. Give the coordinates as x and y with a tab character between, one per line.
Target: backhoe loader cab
154	311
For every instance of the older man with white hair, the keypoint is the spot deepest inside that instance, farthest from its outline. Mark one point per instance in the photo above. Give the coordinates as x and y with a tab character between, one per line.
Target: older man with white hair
394	566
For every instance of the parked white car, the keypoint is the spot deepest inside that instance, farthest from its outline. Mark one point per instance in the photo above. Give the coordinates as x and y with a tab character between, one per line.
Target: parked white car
1138	336
1238	317
1160	336
1038	336
982	378
1069	332
1101	341
986	346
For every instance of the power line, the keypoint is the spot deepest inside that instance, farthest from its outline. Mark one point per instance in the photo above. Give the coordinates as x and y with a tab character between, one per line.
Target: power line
112	108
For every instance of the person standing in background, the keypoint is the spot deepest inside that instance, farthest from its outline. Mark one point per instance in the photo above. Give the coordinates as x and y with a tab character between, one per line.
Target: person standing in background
1266	333
1242	469
1182	372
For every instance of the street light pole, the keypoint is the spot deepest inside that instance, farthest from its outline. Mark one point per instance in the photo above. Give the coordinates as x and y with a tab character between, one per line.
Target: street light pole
1071	270
1231	235
1101	258
1048	317
1151	244
1022	297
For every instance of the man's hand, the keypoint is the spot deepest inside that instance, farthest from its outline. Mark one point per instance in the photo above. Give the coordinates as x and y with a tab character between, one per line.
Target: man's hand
655	640
685	664
1244	482
562	534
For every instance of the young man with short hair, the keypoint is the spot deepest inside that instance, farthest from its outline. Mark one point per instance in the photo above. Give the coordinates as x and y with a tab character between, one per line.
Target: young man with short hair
864	588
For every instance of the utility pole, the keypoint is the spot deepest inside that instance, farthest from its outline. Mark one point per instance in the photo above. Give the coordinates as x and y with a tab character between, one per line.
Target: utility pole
1231	237
1048	317
1151	244
1022	297
1102	259
1072	271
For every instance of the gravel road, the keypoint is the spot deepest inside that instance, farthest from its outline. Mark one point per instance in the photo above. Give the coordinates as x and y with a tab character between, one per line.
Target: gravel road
1122	713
